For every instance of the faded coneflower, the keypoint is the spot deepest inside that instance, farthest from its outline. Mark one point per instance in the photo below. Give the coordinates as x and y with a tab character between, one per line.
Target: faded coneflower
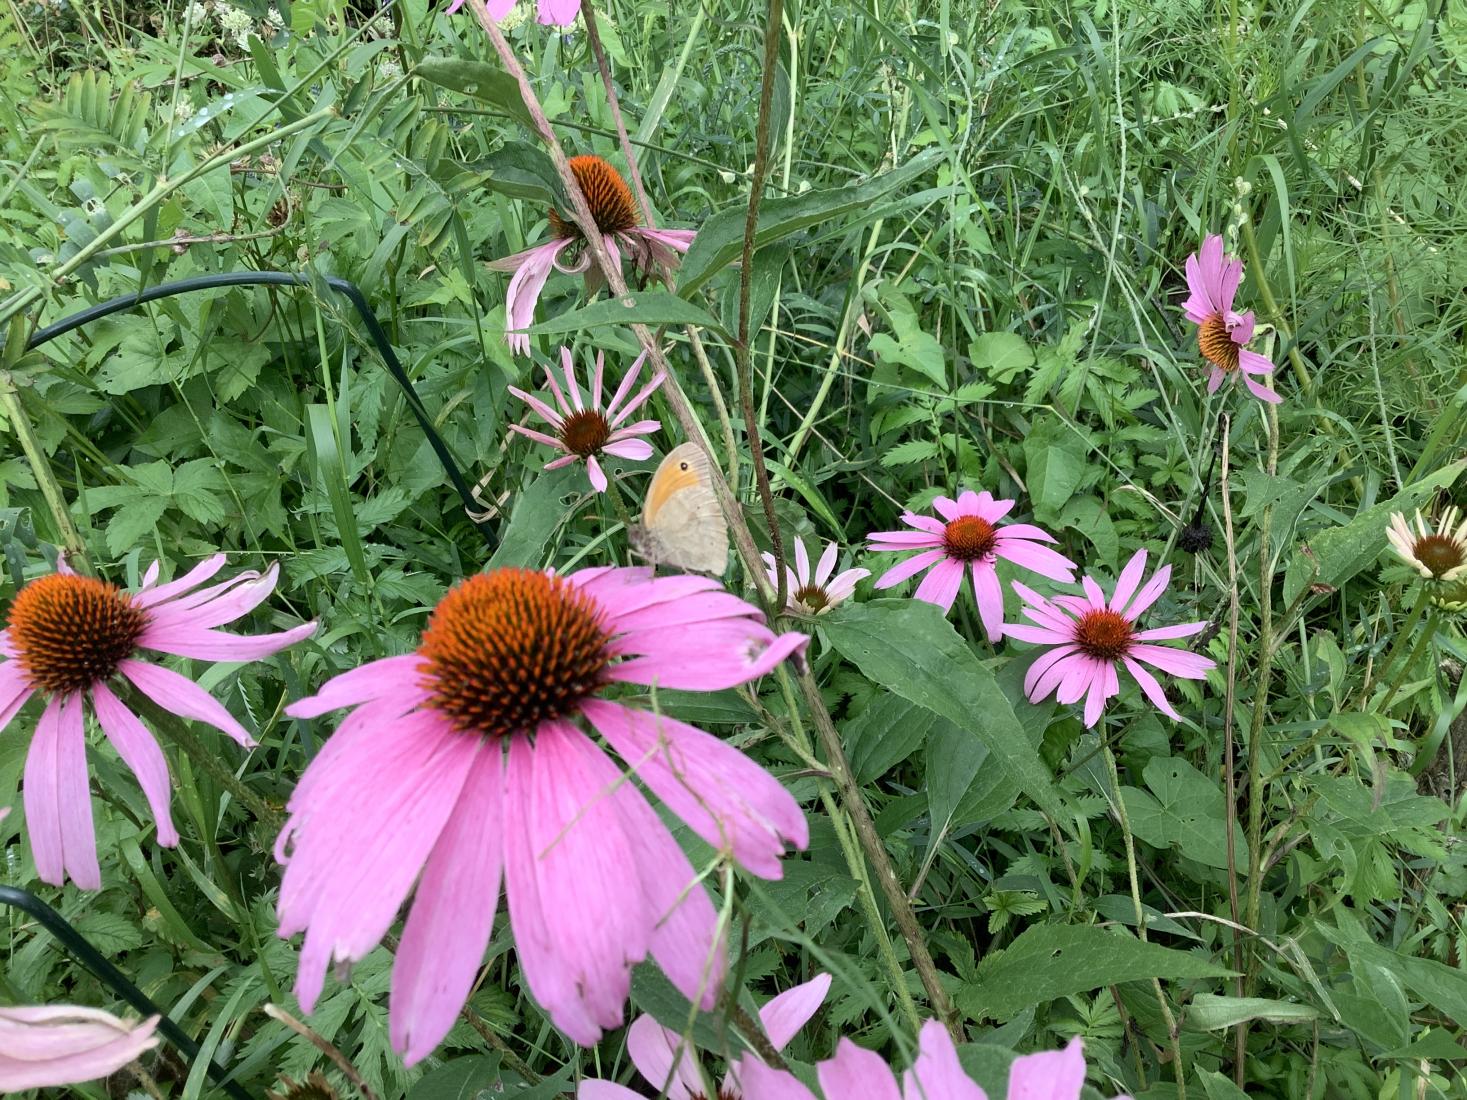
815	594
670	1065
935	1075
1091	636
468	757
586	431
968	539
620	224
68	635
47	1046
1437	556
1222	334
553	13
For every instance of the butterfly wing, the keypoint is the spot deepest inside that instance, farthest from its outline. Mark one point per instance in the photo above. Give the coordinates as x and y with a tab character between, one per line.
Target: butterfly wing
683	523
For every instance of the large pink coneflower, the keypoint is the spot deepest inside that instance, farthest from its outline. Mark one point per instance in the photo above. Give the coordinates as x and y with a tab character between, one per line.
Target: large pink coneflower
468	757
968	539
553	13
935	1075
620	224
668	1064
815	593
67	637
1092	635
583	429
47	1046
1222	334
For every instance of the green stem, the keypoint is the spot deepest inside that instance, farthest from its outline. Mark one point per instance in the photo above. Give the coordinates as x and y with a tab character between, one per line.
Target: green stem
1407	629
71	540
1275	315
1410	662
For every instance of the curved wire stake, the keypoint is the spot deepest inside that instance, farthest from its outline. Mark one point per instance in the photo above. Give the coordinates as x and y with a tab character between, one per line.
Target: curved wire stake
353	294
114	979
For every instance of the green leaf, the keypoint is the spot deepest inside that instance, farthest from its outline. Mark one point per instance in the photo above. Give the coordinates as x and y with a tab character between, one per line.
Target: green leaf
908	648
1088	515
538	511
461	1079
953	760
911	347
1210	1012
524	172
1341	552
1441	986
1056	464
888	731
1050	961
647	307
721	239
479	79
131	523
1187	812
194	486
999	356
1219	1087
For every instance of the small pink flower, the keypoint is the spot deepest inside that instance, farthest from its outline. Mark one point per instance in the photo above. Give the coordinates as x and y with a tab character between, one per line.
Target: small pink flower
1222	334
67	637
552	13
669	1065
468	758
46	1046
818	593
935	1075
620	224
968	538
1091	636
585	431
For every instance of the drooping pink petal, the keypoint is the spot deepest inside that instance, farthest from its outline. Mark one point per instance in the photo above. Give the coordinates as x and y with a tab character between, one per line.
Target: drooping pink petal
989	595
523	293
547	414
1250	362
373	680
192	579
856	1071
707	656
1050	680
937	1074
913	565
1095	699
1179	662
452	914
1037	559
58	802
726	798
1037	635
1240	326
635	450
1215	379
141	753
663	1059
179	695
1052	1075
759	1082
223	603
596	473
542	439
1260	391
785	1014
15	690
591	1088
1161	633
941	585
49	1046
1042	664
218	645
1150	688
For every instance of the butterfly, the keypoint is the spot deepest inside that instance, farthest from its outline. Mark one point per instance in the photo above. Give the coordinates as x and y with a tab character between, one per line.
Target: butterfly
682	524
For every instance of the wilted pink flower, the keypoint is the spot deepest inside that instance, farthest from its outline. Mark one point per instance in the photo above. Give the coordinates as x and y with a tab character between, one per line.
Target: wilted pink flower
968	538
45	1046
620	224
585	431
670	1066
1091	636
818	593
1222	334
935	1075
67	637
466	757
554	13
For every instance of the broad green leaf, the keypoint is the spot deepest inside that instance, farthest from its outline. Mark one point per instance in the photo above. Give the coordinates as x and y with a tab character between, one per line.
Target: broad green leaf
1341	552
1219	1087
721	239
538	511
524	172
647	307
999	356
1210	1012
460	1079
911	347
908	648
1050	961
1441	986
953	760
1055	457
483	81
1187	812
1088	515
888	731
130	523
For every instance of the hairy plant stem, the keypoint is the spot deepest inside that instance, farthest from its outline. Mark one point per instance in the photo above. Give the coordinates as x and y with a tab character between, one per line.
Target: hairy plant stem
1267	647
1230	776
866	833
744	349
1172	1030
71	540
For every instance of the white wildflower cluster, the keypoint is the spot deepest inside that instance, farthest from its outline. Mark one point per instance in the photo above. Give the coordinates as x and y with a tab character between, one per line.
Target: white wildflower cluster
197	13
389	69
275	19
183	110
519	14
235	22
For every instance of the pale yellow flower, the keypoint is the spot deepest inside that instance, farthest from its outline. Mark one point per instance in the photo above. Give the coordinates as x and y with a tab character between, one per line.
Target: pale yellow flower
1437	555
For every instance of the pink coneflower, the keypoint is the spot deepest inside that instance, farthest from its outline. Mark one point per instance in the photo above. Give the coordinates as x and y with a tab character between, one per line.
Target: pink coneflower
817	593
68	636
553	13
1222	334
1091	636
620	224
670	1065
968	538
585	431
46	1046
466	757
1439	555
935	1075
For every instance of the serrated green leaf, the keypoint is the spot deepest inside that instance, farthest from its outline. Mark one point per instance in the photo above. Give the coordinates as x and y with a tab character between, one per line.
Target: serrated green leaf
1184	809
647	307
538	511
128	525
461	1079
999	356
1056	465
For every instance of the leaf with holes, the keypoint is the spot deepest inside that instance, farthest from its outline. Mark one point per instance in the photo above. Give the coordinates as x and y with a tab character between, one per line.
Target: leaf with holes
1185	810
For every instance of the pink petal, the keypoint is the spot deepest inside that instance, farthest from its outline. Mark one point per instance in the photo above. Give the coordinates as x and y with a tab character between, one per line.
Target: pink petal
845	583
1179	662
627	381
1128	580
759	1082
726	798
1162	633
826	566
994	510
372	680
785	1014
1028	531
636	450
661	1056
216	645
857	1072
15	689
58	803
1228	279
1051	678
1079	673
989	595
592	1089
1053	1075
639	400
941	585
453	912
1039	559
903	540
1095	699
937	1074
707	656
523	293
597	475
1037	635
559	13
1211	267
1151	688
640	427
568	368
1262	392
802	561
47	1046
192	579
540	437
900	572
1215	379
221	604
1042	664
1150	592
598	375
950	509
179	695
1250	362
545	412
141	753
924	523
567	460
